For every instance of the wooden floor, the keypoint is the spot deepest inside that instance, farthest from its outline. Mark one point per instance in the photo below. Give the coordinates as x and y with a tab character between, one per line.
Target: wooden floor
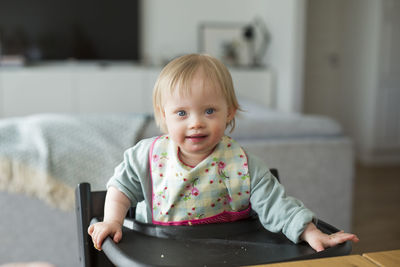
376	210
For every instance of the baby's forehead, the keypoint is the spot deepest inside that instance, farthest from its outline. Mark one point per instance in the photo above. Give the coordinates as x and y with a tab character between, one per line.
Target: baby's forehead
194	82
206	89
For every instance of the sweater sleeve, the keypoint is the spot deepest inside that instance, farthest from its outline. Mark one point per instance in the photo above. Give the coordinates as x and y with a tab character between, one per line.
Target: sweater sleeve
277	211
131	175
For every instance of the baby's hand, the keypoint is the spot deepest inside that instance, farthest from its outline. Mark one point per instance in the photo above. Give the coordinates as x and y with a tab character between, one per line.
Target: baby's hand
319	241
99	231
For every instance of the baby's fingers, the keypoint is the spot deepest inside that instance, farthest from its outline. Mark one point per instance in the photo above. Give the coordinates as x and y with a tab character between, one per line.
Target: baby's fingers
90	229
117	236
100	238
317	245
341	237
95	235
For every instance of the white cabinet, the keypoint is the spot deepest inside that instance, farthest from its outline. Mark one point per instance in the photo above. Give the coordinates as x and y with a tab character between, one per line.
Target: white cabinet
90	87
110	90
26	91
255	85
77	87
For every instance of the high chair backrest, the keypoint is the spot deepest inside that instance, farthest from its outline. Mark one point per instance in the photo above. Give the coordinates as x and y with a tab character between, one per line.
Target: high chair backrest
88	205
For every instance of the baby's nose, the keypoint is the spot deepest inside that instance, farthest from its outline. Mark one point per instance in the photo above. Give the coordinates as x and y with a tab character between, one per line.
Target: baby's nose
196	122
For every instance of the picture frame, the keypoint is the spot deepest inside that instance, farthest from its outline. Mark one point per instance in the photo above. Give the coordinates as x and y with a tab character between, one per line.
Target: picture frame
227	42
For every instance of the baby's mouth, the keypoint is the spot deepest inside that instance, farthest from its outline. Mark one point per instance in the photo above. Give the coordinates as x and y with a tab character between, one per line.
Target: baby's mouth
196	137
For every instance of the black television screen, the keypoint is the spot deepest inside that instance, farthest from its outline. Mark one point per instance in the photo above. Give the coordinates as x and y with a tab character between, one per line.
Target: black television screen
65	29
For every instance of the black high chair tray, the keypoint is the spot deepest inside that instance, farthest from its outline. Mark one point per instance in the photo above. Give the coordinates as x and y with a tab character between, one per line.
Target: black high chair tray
243	242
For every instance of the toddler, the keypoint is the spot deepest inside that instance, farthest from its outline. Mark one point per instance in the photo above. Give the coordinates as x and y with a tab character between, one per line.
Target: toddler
195	174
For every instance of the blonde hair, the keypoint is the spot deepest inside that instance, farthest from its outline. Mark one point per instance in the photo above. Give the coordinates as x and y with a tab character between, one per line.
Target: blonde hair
179	74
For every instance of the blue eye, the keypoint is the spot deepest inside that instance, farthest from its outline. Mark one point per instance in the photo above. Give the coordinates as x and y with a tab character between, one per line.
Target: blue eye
181	113
210	111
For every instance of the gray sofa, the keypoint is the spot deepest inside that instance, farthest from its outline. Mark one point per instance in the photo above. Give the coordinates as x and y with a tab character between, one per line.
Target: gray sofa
314	159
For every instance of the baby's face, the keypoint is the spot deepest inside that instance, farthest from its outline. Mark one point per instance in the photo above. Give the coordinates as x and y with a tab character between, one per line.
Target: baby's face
197	121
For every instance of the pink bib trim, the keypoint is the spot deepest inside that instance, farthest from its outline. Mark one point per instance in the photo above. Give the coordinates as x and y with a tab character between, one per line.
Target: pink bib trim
223	217
151	176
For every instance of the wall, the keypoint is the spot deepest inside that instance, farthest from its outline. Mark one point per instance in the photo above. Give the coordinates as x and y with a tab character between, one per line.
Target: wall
170	28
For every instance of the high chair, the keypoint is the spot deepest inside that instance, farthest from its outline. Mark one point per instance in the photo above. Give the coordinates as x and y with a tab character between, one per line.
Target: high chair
244	242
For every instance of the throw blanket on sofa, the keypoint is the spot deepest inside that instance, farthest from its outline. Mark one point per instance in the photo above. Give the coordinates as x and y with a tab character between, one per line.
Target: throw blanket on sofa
47	155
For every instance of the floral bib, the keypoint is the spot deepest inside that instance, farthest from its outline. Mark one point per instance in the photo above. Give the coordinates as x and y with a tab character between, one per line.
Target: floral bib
216	190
